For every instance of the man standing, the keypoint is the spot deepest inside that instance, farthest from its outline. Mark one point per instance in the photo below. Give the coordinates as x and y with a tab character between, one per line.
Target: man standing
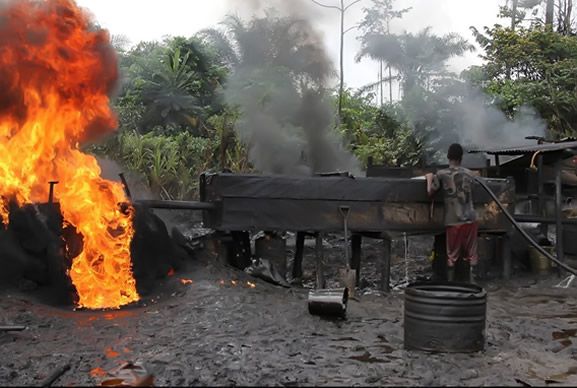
460	218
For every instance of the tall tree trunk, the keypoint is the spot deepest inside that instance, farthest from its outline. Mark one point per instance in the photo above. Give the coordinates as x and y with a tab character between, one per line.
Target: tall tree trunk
549	12
342	65
514	14
390	85
569	11
389	66
381	80
513	26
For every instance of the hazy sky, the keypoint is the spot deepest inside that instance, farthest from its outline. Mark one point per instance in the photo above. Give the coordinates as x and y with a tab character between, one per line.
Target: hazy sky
152	19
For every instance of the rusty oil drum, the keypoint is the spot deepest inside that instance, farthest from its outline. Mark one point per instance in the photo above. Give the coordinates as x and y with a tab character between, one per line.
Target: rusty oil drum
445	317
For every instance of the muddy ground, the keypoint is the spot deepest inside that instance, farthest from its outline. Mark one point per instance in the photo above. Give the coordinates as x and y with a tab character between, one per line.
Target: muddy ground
218	330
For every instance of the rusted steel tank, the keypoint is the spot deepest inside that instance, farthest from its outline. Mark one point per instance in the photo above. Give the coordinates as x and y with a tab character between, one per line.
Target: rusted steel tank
445	317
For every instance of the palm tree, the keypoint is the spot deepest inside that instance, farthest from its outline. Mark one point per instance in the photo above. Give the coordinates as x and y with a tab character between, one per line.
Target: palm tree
418	58
377	21
166	93
286	43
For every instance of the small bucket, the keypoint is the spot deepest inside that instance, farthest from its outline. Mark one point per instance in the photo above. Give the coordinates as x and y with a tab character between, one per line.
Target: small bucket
329	302
539	263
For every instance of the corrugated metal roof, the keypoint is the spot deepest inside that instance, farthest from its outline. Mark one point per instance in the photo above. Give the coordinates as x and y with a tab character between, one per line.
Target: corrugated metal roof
529	149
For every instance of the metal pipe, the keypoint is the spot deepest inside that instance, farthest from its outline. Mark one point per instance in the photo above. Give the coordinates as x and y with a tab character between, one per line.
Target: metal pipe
51	192
176	205
125	185
12	328
329	302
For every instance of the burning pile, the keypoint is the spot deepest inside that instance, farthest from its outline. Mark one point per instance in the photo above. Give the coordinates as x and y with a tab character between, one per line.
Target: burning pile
57	71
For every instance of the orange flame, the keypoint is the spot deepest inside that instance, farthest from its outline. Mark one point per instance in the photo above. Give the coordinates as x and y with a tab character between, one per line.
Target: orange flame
185	281
111	353
98	372
56	74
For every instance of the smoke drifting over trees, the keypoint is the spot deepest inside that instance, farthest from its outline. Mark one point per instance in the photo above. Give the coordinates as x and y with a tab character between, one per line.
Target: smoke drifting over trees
279	76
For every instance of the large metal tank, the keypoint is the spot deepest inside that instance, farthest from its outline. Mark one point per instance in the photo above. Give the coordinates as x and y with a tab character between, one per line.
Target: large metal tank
447	318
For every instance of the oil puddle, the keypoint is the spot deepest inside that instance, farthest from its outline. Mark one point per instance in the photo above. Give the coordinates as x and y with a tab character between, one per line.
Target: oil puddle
346	339
564	334
563	337
384	344
368	358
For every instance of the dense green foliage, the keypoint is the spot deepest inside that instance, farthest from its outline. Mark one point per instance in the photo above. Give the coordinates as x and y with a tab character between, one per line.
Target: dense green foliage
176	118
532	67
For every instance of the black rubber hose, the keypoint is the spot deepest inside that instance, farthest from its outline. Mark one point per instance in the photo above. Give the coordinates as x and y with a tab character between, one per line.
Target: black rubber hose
523	232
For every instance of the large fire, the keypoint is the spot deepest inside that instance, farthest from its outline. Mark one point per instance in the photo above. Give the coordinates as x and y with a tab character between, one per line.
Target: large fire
57	71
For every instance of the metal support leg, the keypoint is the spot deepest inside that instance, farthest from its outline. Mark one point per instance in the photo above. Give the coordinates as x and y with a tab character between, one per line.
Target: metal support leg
559	215
386	266
356	244
506	255
241	250
440	262
298	259
319	250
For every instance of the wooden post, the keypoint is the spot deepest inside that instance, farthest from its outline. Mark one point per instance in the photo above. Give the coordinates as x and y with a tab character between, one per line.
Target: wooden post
356	244
320	280
297	271
558	213
506	255
386	265
541	195
440	262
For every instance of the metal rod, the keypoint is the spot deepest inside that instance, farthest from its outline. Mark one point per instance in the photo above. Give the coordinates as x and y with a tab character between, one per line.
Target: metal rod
125	185
345	213
51	192
176	205
356	247
12	328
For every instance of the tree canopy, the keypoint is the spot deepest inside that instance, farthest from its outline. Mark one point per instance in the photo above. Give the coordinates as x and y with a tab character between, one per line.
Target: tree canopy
191	104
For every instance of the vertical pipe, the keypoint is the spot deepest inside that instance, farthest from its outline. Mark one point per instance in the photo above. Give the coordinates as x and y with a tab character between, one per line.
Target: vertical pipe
386	266
298	260
321	283
356	245
558	212
51	192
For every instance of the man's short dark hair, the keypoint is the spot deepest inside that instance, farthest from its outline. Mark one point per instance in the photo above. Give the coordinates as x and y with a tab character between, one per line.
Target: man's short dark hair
455	152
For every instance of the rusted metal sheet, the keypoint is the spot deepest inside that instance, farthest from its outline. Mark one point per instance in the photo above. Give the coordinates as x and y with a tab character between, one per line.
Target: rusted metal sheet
250	202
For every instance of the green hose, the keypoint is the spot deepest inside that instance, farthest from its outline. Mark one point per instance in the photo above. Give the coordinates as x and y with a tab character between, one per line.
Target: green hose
523	232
